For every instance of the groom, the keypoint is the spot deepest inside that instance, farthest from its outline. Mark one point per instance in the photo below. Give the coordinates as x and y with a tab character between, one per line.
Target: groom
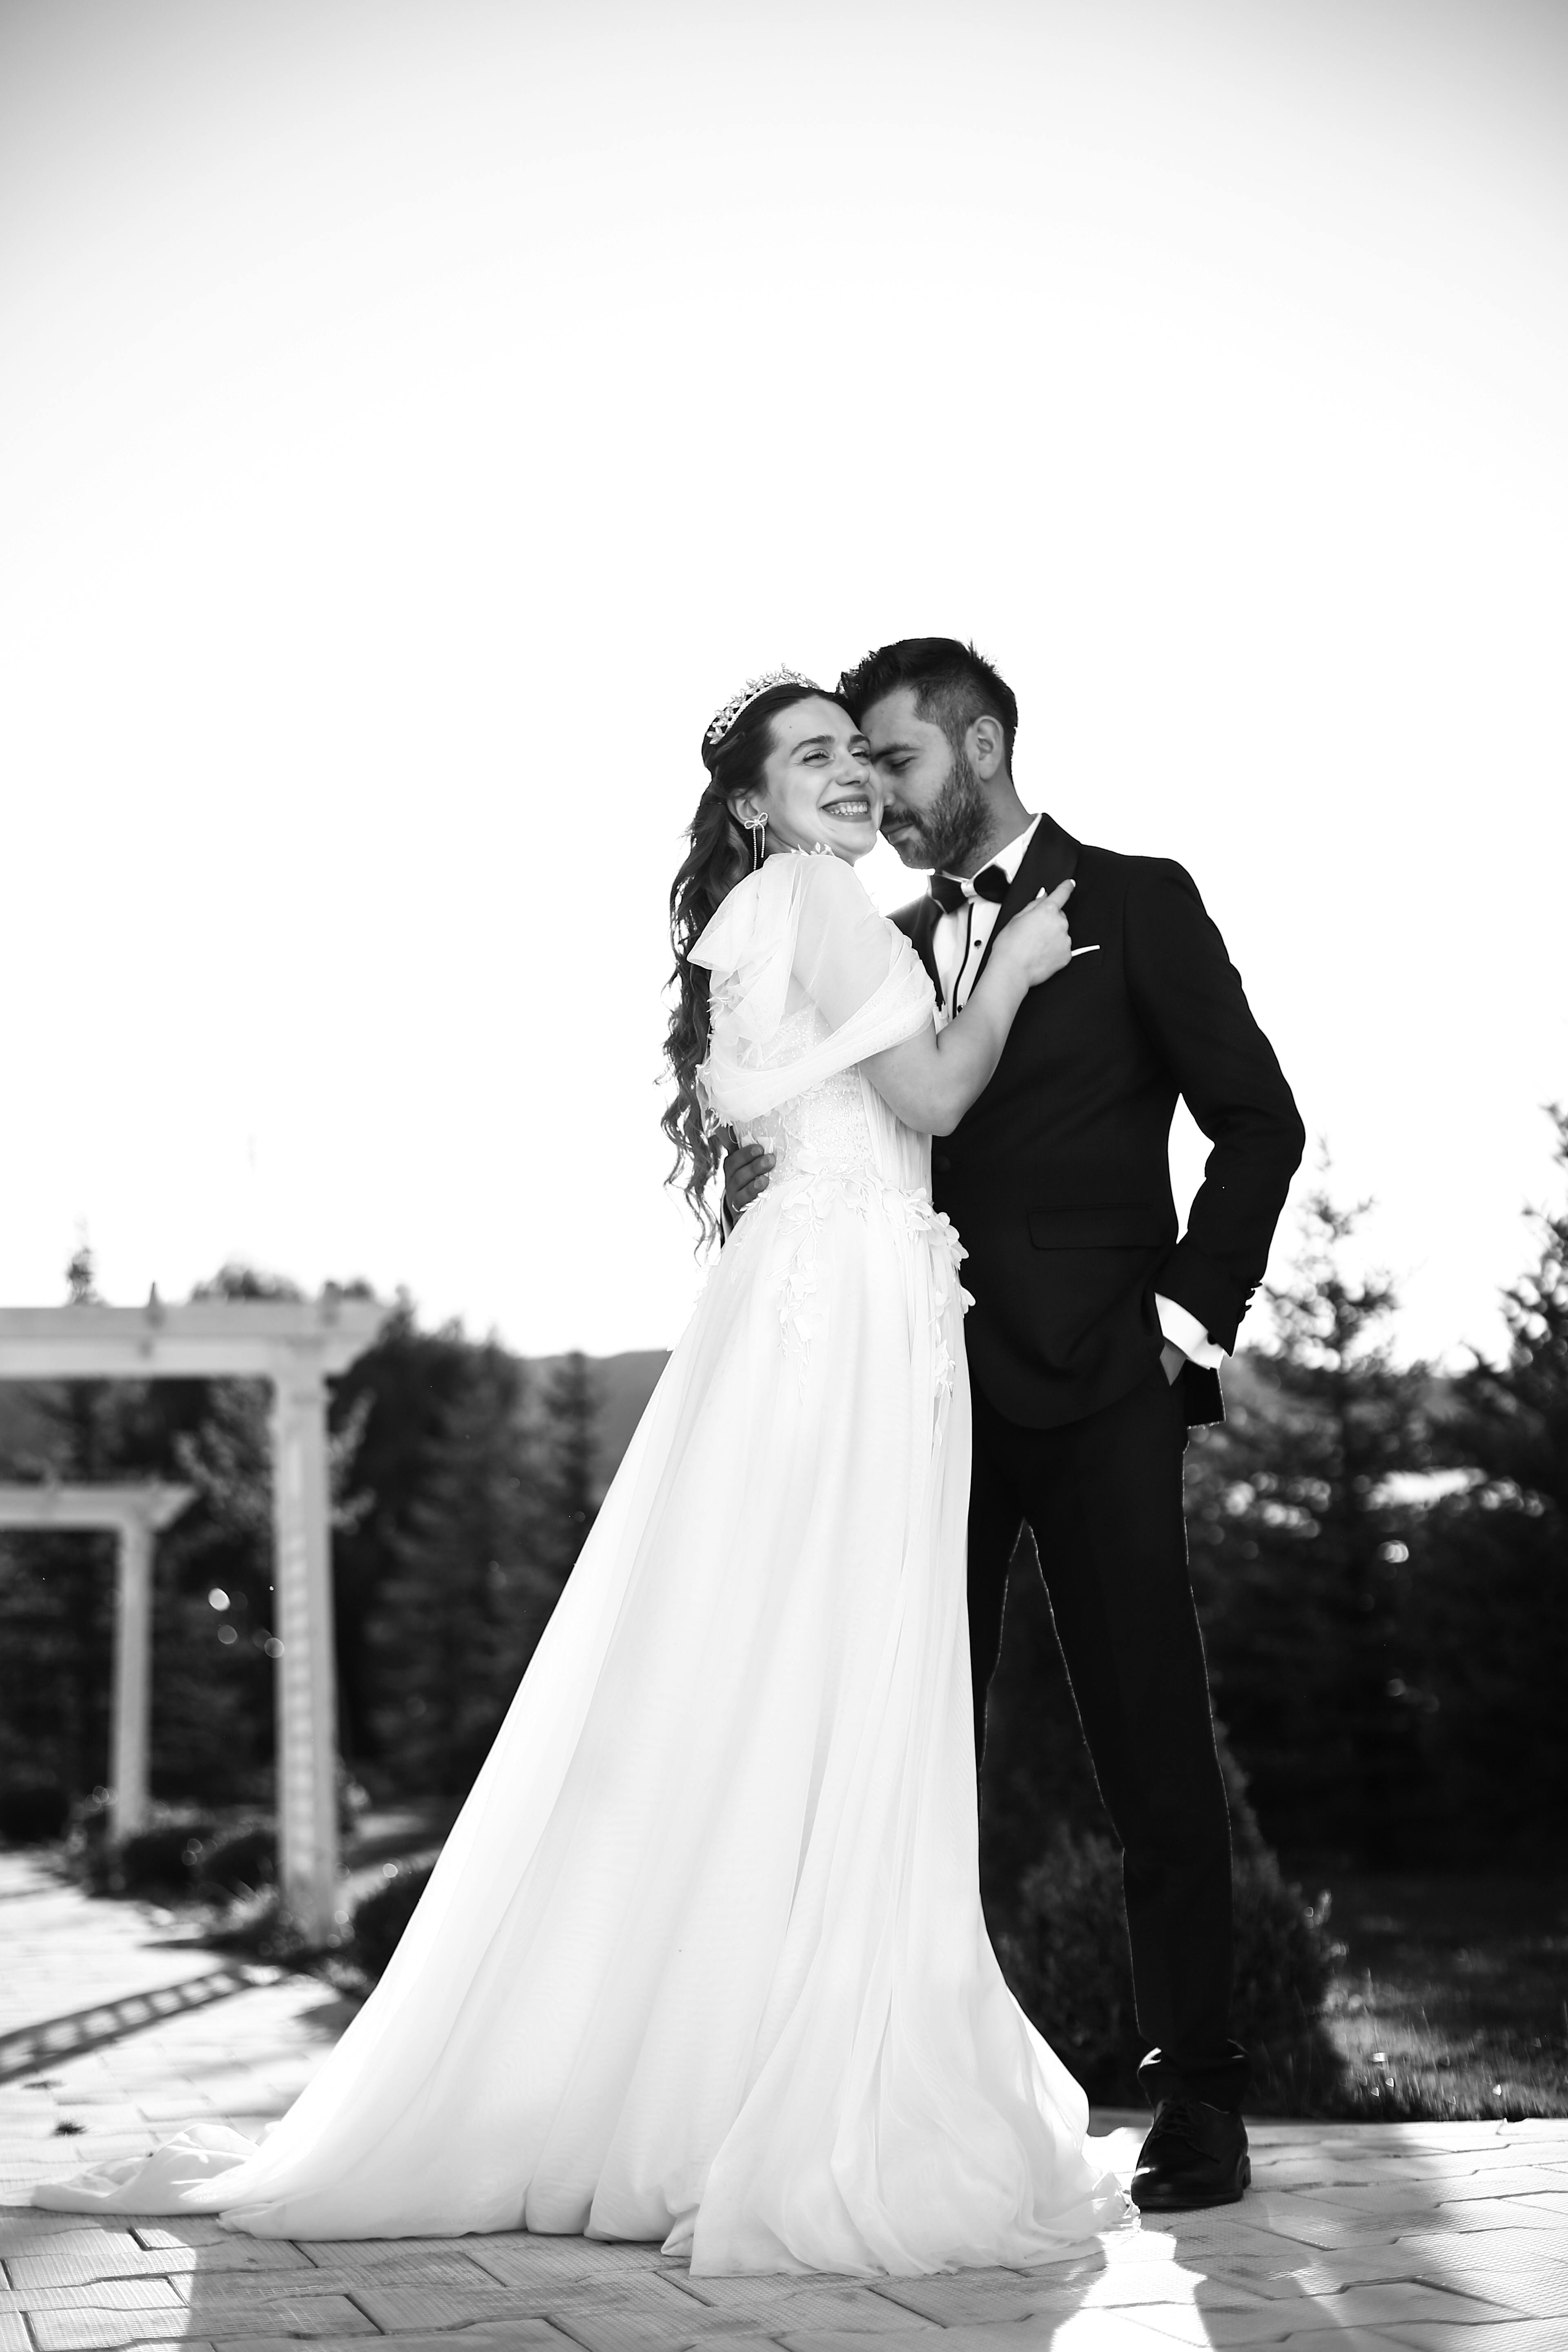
1096	1331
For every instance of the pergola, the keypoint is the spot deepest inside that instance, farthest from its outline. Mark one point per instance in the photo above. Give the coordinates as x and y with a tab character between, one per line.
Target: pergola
134	1515
297	1346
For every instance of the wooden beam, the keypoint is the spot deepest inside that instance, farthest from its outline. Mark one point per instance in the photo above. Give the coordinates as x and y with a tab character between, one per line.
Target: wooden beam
56	1504
208	1338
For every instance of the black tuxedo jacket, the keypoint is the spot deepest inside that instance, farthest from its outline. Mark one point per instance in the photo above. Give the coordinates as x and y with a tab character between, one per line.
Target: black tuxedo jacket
1059	1176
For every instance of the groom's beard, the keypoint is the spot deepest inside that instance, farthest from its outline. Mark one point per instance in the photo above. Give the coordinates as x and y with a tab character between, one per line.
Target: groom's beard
952	832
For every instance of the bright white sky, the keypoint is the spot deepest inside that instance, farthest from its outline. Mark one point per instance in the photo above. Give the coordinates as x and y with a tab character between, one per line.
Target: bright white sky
416	419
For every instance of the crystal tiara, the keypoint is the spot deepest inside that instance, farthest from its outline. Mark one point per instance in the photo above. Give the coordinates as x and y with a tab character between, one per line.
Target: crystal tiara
753	687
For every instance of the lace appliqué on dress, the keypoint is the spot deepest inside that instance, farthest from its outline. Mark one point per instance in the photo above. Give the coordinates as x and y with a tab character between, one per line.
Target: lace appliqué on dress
826	1162
804	1206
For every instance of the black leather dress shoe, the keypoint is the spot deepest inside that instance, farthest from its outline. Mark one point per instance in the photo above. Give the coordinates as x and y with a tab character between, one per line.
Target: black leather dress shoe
1194	2154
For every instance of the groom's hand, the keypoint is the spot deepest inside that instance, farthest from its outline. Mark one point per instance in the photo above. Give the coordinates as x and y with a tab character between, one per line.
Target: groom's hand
746	1172
1171	1361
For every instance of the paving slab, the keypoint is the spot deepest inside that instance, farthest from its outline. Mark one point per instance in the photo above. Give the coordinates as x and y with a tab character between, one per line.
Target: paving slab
1553	2202
1081	2331
1510	2335
787	2302
451	2269
110	2294
527	2262
90	1953
505	2335
1324	2320
1438	2238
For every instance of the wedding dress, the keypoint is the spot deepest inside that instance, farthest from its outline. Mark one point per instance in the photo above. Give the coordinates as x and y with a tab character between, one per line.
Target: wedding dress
703	1959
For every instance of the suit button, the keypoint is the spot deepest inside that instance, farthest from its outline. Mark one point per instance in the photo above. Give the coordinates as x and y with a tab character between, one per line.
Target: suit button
940	1162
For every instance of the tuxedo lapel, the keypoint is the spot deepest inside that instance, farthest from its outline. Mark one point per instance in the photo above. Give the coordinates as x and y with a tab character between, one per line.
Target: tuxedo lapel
1051	857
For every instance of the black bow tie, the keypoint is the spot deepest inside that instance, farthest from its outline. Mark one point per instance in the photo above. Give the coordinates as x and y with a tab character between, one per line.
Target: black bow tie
950	893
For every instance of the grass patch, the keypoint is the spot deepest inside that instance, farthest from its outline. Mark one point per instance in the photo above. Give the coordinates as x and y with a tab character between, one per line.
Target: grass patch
1450	2003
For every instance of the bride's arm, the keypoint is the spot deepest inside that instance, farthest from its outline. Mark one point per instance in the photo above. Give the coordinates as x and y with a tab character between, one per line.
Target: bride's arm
930	1079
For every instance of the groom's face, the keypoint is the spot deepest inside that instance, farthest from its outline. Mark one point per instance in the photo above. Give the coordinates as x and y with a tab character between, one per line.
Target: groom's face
934	810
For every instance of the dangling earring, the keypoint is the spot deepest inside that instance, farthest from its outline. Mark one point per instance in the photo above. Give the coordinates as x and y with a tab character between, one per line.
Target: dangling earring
757	826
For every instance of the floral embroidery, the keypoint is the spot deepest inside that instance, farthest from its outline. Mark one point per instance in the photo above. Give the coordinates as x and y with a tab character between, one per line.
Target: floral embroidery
806	1197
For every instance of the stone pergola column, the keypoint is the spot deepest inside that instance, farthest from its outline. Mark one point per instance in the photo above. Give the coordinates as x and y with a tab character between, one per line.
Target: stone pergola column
305	1688
130	1746
134	1516
297	1346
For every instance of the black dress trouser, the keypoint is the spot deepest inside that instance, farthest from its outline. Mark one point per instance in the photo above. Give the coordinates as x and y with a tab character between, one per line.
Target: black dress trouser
1103	1497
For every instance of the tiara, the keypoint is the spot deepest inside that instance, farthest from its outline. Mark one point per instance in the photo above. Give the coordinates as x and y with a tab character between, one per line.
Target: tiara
753	687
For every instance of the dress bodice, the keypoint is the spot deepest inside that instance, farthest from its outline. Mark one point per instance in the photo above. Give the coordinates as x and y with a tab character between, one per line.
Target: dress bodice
807	983
825	1127
837	1126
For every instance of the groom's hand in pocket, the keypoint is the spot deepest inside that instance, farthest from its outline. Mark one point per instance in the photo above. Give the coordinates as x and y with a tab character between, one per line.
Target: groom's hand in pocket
746	1172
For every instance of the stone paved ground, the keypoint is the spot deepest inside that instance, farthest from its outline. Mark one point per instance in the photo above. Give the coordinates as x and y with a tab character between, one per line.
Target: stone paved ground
1437	2238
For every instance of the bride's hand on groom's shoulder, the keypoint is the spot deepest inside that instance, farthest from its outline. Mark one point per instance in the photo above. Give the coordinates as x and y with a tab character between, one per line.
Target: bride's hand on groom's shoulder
746	1171
1037	940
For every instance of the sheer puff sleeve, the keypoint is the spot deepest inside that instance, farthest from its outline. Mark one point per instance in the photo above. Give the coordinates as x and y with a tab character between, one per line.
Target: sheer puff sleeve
806	919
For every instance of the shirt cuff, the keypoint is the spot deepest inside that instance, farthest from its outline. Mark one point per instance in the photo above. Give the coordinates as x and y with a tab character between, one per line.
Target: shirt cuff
1187	1333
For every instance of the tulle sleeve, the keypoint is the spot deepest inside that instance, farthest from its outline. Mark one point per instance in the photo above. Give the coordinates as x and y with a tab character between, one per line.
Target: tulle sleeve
806	919
841	946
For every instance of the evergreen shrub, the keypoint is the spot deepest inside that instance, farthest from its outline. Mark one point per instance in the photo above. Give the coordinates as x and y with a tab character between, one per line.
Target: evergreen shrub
157	1861
90	1851
1065	1955
33	1813
257	1925
381	1916
238	1861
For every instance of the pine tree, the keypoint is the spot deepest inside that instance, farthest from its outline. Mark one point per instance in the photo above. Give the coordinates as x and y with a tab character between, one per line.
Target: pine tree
1302	1552
82	1277
569	1486
459	1613
1493	1609
391	1414
1521	1407
214	1678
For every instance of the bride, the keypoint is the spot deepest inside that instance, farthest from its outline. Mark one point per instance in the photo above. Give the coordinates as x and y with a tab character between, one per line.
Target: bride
703	1959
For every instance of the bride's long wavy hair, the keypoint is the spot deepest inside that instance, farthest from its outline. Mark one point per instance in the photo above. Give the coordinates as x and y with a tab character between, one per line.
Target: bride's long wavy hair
720	853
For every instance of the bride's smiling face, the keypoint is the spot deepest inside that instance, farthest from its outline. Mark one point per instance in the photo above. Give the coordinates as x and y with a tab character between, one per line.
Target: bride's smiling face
818	784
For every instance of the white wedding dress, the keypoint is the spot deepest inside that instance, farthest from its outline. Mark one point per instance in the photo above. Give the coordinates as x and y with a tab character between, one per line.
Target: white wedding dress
703	1959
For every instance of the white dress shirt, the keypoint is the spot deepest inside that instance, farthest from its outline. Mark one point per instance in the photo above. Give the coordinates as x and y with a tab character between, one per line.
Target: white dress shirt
959	944
960	940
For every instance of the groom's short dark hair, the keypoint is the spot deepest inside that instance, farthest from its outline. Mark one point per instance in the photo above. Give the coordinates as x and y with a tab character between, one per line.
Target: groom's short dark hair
953	684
